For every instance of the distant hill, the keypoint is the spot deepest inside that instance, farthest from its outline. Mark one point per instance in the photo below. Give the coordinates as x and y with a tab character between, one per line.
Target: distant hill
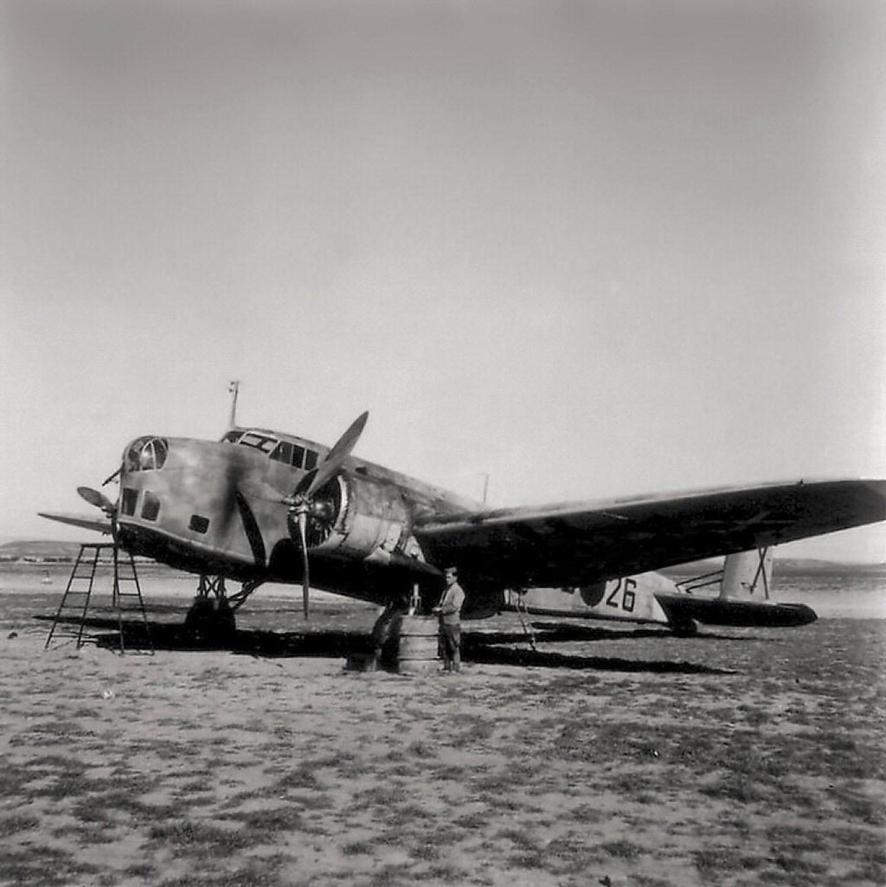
38	549
49	550
785	567
807	566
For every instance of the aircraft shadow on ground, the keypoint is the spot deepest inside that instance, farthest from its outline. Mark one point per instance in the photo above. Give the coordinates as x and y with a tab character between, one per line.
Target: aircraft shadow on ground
566	631
486	647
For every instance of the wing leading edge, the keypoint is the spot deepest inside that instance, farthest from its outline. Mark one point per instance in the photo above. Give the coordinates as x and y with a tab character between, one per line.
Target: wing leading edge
78	520
578	543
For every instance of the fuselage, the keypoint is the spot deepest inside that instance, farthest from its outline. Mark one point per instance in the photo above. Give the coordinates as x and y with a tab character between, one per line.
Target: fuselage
218	507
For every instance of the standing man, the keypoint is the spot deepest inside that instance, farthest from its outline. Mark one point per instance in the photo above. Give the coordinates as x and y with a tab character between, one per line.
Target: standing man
449	610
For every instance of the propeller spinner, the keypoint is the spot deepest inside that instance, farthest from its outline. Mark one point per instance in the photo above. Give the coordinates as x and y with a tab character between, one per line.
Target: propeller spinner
301	501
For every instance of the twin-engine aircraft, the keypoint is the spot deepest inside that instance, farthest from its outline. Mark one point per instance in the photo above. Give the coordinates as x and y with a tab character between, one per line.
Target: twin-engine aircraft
264	506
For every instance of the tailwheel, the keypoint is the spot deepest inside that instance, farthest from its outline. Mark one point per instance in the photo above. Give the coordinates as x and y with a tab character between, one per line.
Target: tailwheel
685	629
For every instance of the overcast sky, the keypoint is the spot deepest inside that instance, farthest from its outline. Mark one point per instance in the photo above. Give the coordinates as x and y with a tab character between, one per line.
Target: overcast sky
590	248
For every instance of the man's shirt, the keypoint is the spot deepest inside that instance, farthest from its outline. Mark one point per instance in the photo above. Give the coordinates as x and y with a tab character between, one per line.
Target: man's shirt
451	604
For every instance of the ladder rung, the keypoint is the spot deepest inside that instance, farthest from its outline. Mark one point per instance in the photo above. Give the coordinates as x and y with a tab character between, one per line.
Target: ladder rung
77	600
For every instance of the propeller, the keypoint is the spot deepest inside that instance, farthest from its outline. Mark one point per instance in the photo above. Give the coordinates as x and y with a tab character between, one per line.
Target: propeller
99	500
300	501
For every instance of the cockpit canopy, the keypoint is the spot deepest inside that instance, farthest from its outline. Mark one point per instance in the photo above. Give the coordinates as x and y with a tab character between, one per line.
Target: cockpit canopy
287	452
146	454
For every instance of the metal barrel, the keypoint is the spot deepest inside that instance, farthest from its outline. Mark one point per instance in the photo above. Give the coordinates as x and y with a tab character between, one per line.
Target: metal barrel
418	651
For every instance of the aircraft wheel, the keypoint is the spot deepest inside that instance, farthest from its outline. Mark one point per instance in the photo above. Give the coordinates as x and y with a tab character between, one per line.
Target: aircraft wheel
209	625
688	629
225	622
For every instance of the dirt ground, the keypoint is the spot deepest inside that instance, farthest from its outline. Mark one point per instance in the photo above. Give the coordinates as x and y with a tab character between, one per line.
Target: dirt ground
610	756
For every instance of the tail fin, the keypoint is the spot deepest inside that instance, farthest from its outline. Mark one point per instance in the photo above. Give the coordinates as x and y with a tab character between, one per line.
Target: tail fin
747	575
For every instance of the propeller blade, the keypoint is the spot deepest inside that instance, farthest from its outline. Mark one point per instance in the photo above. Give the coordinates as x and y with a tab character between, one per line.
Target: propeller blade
99	500
331	465
252	530
306	579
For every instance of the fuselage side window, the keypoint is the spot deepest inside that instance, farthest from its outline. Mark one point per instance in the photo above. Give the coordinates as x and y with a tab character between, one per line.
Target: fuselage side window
310	460
283	453
150	506
198	524
298	456
129	497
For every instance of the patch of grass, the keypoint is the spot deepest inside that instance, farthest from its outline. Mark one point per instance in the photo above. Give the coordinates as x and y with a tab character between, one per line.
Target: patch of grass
635	783
302	777
587	814
143	870
718	859
359	848
410	814
622	849
798	865
569	856
859	807
277	819
421	845
385	796
258	873
188	836
865	871
500	803
475	730
420	749
85	835
48	868
390	876
13	825
476	820
446	871
69	784
13	779
495	782
103	806
737	788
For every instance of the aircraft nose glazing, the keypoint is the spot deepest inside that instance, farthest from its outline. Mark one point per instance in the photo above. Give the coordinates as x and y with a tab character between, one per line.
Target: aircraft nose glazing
146	453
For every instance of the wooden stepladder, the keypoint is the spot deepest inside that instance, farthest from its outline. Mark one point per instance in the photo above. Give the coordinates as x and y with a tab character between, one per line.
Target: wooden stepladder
125	593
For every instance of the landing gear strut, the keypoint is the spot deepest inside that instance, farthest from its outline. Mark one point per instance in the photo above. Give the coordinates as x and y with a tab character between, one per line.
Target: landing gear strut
210	621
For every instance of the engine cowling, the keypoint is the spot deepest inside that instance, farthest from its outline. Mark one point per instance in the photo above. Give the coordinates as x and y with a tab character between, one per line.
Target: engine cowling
358	516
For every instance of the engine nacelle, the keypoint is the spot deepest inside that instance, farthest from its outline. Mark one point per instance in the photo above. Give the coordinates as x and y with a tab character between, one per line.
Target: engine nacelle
358	516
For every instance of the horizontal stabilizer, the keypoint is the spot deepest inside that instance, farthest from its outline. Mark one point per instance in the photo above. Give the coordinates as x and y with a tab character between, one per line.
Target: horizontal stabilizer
99	525
683	608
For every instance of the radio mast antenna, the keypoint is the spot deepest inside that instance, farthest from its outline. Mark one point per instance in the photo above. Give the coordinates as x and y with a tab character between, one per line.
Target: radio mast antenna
233	390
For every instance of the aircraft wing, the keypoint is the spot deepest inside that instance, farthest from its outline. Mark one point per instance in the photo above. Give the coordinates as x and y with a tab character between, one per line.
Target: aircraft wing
578	543
78	520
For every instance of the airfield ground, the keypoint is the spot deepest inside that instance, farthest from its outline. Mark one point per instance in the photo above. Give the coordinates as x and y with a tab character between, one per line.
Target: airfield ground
611	756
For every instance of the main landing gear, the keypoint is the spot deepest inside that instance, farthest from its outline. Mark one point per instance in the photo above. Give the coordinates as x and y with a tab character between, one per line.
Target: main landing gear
210	621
